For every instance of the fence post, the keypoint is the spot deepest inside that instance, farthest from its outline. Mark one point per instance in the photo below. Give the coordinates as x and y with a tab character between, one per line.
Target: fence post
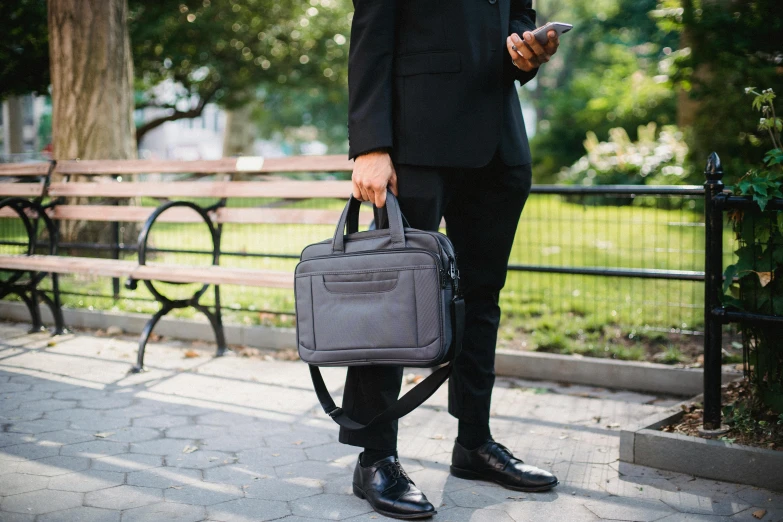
713	284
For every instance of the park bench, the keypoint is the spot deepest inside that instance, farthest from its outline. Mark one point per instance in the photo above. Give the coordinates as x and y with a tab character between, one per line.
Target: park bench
48	202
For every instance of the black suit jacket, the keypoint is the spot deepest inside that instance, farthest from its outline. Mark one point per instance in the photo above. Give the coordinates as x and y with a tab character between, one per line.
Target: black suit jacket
432	80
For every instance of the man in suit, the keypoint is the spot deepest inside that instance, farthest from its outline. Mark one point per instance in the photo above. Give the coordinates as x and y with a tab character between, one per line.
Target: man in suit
434	116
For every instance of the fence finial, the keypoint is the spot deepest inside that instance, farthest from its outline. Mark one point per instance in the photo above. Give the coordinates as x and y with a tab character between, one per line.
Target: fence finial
714	170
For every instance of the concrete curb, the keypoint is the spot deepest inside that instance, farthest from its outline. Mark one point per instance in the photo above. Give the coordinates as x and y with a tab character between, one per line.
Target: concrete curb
606	373
189	330
710	459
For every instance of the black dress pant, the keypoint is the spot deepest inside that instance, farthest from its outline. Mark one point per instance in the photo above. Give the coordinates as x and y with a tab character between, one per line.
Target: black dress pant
481	207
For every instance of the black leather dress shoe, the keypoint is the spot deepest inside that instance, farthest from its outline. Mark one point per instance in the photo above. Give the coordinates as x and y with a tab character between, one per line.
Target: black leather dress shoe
494	462
390	491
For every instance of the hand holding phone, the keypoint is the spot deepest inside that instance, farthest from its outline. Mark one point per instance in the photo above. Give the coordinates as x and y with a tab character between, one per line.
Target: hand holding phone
536	48
542	33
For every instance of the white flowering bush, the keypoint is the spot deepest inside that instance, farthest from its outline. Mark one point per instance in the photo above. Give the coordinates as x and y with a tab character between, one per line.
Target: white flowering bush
651	160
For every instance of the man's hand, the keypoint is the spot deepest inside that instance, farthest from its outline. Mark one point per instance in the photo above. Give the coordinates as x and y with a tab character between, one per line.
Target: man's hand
373	172
529	54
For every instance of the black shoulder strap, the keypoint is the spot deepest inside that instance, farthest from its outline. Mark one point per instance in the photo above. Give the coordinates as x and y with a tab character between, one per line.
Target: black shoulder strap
408	402
404	405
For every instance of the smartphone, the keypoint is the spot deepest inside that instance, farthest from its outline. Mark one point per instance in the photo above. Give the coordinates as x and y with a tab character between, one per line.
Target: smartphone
559	27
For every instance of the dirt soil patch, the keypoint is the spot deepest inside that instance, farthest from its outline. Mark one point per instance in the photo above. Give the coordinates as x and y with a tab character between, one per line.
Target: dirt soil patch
750	422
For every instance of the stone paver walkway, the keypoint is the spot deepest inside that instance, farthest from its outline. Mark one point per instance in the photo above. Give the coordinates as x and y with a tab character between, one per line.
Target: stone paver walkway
237	439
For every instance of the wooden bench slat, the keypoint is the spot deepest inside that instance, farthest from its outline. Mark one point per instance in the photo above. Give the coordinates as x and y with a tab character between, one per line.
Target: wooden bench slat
214	189
124	214
24	169
218	275
20	189
330	163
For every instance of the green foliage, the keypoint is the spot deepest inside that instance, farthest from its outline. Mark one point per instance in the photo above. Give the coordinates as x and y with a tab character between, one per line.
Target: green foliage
24	51
291	55
759	265
650	159
604	76
726	45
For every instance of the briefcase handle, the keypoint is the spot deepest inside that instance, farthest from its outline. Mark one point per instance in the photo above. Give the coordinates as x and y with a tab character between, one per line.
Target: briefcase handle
351	215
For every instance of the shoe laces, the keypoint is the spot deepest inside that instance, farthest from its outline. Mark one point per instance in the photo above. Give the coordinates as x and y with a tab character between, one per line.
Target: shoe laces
397	471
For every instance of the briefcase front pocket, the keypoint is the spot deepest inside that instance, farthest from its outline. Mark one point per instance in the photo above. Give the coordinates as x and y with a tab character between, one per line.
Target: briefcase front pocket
370	312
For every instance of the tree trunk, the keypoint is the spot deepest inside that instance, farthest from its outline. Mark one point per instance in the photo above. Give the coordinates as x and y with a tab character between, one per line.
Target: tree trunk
92	84
240	132
13	125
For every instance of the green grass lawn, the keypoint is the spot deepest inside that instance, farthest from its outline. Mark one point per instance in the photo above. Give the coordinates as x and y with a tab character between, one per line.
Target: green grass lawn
553	312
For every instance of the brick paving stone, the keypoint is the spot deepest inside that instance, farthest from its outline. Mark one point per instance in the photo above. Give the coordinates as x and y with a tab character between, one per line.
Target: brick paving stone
94	449
283	489
313	469
264	457
203	493
281	459
29	451
164	477
162	446
161	421
330	452
690	517
195	432
562	507
37	426
201	459
123	497
49	405
330	507
233	442
11	439
53	466
248	510
238	474
620	508
135	434
42	501
165	511
127	462
85	481
81	514
68	436
14	483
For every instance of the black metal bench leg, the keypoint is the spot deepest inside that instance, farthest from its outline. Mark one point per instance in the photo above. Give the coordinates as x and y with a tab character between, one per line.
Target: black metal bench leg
217	326
32	306
59	327
56	306
145	335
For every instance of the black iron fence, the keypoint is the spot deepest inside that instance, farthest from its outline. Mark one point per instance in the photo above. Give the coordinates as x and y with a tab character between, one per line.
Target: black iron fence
631	256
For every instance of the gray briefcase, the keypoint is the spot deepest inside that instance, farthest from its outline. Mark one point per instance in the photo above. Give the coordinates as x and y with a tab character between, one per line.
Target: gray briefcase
380	297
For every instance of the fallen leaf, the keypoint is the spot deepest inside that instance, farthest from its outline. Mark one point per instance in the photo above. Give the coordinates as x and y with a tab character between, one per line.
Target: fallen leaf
297	442
189	449
764	278
51	343
104	434
759	514
191	354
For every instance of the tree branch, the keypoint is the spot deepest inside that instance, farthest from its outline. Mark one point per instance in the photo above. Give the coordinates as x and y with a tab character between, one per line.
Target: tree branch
174	116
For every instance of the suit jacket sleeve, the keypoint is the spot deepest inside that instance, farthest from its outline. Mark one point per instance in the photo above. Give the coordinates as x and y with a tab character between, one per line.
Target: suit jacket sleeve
522	18
370	62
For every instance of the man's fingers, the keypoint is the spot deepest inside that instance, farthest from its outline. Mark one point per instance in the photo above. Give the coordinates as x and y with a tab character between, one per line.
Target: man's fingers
537	48
525	60
553	43
393	184
380	198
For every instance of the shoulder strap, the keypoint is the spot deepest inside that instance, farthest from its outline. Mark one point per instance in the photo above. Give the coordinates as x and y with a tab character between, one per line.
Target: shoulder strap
404	405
